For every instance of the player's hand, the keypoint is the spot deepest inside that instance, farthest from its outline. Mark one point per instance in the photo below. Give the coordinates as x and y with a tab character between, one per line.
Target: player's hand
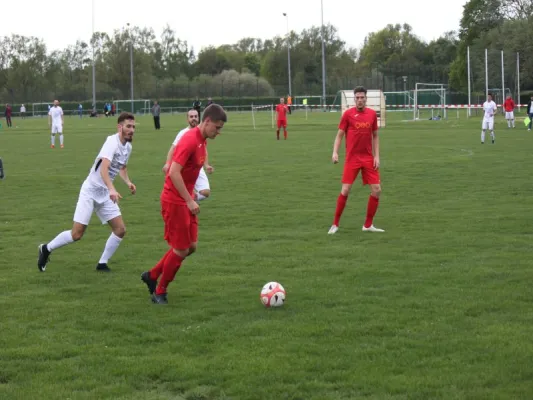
132	187
335	158
376	162
165	168
209	169
114	196
193	207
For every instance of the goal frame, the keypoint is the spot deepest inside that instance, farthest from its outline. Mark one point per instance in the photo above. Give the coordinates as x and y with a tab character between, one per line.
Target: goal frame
39	104
145	109
254	109
430	87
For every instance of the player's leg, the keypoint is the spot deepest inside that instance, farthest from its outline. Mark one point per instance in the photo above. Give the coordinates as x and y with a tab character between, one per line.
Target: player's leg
53	137
348	178
285	133
512	119
109	213
371	177
508	118
484	127
60	131
203	191
277	130
491	128
82	217
2	173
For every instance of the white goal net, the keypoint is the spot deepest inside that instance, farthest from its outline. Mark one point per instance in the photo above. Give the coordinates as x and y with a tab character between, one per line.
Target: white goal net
430	96
140	106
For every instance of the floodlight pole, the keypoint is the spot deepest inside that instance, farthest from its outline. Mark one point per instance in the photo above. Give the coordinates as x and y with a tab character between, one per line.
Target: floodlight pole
94	63
131	67
404	90
288	54
323	57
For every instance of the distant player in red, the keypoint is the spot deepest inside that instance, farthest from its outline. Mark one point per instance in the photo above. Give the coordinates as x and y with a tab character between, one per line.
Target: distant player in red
281	112
178	208
360	126
509	111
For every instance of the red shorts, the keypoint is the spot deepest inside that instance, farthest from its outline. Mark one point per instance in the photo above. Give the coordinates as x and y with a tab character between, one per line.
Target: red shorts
282	123
369	174
181	227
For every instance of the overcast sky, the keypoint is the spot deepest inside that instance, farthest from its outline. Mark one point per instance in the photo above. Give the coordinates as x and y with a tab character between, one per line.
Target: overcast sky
216	22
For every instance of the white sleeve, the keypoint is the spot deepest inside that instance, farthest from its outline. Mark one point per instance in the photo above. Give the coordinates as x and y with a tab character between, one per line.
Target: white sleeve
108	149
179	136
61	110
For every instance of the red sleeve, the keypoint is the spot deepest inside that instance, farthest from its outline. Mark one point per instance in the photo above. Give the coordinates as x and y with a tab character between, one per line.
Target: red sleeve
185	148
375	123
343	125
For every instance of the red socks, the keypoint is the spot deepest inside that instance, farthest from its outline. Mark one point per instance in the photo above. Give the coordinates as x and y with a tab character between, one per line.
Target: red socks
341	203
171	265
371	209
277	134
156	271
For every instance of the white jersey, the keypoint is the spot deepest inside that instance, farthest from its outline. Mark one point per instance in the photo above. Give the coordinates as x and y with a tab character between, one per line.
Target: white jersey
118	154
490	109
56	113
180	135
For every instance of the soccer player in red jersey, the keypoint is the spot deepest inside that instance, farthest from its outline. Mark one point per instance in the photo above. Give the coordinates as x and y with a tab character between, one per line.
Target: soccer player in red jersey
281	112
509	111
178	208
360	126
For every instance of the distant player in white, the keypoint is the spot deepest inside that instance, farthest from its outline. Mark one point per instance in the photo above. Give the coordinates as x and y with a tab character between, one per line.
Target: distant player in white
98	194
490	108
201	187
55	122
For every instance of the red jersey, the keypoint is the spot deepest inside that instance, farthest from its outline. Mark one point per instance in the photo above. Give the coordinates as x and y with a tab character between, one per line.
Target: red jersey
190	153
359	127
509	105
281	109
8	111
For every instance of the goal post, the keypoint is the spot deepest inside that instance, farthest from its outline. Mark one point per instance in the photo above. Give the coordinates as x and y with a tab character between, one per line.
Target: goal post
40	109
261	114
375	100
432	95
140	106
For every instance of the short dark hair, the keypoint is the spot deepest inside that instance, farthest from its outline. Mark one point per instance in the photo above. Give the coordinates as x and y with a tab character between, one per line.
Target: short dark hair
215	113
490	94
359	89
192	109
124	116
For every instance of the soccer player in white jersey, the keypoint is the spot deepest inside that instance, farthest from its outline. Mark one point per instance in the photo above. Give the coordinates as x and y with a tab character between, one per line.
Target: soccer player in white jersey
55	122
490	108
201	188
98	194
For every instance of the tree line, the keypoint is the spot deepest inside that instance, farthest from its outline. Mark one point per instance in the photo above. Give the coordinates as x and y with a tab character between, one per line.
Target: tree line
166	66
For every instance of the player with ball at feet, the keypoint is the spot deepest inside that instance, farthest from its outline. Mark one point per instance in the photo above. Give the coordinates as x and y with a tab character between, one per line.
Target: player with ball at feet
178	207
360	126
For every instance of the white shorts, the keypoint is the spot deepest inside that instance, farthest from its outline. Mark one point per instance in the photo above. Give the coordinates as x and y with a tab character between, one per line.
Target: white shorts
57	128
488	124
202	183
106	210
509	115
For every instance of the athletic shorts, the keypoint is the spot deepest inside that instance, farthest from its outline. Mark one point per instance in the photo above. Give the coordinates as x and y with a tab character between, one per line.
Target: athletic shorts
509	115
369	174
105	210
282	123
202	183
181	226
57	128
487	123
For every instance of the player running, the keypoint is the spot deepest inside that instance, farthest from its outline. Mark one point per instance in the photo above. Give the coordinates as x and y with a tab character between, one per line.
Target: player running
55	122
98	194
360	126
509	106
202	189
490	109
178	208
281	113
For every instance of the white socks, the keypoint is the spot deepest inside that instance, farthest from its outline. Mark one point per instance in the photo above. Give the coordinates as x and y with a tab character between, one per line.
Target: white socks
509	122
110	247
200	196
60	240
53	139
492	135
61	139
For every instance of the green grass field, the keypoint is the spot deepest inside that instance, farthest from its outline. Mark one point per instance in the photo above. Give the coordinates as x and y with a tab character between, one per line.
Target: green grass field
437	307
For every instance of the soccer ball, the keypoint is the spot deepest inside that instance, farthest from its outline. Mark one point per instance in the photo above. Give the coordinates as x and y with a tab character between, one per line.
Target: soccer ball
273	295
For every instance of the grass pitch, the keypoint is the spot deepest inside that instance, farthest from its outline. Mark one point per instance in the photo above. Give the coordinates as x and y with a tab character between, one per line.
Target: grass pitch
437	307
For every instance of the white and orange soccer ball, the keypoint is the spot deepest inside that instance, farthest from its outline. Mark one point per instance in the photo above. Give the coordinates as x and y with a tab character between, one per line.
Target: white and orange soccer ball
273	295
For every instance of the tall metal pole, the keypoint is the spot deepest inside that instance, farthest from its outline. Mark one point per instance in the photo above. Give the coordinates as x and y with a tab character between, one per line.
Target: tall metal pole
94	64
131	68
469	81
518	79
323	57
503	84
486	73
288	55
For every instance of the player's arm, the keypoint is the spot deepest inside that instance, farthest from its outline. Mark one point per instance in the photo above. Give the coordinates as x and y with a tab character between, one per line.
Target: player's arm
166	167
179	184
336	145
49	119
375	147
124	175
104	173
62	118
208	167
